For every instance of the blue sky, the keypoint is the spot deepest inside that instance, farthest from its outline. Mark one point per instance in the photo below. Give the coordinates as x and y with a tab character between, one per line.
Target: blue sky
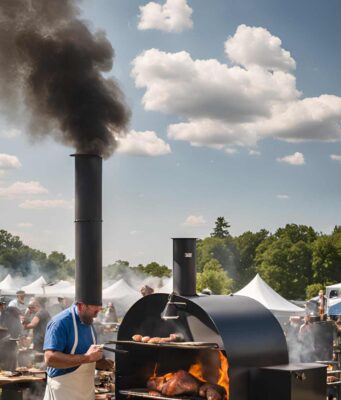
236	112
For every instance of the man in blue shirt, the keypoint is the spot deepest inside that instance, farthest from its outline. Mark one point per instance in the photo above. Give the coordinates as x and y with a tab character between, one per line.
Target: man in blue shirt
71	354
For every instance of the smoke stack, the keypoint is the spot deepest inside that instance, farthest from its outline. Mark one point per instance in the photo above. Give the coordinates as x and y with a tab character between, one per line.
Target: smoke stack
88	226
184	268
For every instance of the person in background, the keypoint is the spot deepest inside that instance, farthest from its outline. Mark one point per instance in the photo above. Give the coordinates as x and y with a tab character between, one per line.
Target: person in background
110	314
146	290
9	320
306	339
57	307
19	302
38	323
322	304
71	354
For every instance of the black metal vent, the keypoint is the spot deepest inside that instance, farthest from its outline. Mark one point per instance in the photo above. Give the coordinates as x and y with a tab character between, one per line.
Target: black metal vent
88	225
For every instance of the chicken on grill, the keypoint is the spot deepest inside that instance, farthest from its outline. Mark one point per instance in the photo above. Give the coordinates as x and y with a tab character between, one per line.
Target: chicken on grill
183	383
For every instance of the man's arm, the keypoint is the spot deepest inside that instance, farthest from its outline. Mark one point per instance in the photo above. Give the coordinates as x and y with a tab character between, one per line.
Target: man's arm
33	323
57	359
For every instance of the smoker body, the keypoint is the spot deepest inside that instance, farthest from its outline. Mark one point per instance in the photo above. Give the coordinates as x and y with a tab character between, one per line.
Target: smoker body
245	331
289	382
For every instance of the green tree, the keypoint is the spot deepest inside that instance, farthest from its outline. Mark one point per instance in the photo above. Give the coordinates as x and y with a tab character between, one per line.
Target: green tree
215	278
116	270
155	269
247	244
8	241
326	260
296	233
221	228
222	250
285	265
313	289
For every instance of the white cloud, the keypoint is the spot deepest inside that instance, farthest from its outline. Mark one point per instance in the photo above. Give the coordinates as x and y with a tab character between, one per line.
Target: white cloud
336	157
9	133
283	197
194	220
222	106
25	225
143	144
9	162
293	159
19	189
231	151
254	153
173	16
255	46
44	204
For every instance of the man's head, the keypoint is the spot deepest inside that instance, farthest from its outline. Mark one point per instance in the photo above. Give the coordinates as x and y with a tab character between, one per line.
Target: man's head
21	296
87	312
34	306
146	290
110	305
321	293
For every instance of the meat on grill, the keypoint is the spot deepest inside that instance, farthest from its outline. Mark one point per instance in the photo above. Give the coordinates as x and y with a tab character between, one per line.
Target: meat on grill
156	383
183	383
212	392
173	337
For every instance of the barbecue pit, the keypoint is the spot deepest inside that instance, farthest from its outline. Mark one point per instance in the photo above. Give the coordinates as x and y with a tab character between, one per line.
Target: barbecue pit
236	328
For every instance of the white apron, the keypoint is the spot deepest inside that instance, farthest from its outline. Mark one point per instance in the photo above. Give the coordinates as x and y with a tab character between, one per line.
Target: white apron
76	385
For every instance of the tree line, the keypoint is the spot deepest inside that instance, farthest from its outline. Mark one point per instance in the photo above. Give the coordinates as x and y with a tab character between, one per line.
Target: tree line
295	260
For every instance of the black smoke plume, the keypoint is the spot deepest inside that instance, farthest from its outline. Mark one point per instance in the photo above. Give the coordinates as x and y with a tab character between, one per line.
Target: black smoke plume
52	63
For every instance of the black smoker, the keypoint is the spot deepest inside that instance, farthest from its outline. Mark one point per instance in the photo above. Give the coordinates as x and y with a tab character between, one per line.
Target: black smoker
88	228
244	331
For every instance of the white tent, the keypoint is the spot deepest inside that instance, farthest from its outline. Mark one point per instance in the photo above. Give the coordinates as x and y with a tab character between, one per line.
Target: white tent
60	289
167	288
122	295
8	285
36	288
258	290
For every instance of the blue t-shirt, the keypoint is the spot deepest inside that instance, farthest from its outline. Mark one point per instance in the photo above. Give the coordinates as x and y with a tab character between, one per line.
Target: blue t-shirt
60	336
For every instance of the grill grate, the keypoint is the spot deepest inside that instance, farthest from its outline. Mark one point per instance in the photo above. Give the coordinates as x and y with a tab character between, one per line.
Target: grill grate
144	393
173	345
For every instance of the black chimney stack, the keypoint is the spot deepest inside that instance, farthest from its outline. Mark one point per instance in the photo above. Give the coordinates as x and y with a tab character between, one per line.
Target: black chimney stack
184	268
88	224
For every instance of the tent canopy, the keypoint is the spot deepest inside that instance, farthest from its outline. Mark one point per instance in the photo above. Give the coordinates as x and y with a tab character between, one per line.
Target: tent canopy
60	289
37	287
8	285
259	290
122	295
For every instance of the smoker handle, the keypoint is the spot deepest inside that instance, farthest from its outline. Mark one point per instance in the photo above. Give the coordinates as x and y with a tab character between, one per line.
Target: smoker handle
115	350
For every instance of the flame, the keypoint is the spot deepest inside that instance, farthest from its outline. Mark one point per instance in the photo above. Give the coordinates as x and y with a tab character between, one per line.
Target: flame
197	372
223	380
223	373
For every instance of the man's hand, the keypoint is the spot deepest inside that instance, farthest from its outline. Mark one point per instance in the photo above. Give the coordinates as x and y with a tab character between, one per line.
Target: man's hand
94	353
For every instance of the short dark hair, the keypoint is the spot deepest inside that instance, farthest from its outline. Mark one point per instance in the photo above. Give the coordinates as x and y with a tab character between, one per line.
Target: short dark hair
19	292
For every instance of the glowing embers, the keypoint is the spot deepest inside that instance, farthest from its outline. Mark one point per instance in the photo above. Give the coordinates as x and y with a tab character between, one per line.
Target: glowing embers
207	378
